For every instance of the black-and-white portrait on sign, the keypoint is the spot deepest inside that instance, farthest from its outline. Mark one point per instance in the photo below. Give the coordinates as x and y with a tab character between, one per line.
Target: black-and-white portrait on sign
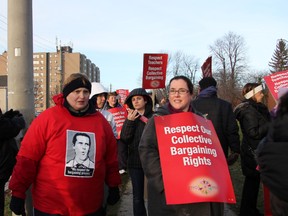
80	154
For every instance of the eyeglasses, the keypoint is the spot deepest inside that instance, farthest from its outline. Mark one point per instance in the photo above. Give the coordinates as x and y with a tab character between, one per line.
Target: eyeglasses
180	91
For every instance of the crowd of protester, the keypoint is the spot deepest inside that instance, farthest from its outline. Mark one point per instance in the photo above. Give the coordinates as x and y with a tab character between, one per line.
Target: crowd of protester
73	156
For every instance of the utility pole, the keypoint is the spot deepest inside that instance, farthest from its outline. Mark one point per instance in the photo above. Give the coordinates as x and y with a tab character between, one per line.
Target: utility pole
20	58
20	64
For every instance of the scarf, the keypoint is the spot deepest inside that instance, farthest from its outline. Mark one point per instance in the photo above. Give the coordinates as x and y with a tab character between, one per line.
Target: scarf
172	110
208	92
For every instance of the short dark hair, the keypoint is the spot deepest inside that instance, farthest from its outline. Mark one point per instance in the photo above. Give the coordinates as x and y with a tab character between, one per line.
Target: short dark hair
114	93
248	87
186	79
206	82
81	134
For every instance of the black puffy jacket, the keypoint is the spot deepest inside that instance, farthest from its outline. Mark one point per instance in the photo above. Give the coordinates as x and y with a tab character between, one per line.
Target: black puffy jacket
132	130
254	120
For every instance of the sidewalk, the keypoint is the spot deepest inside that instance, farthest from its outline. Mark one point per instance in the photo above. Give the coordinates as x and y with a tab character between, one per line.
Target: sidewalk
126	206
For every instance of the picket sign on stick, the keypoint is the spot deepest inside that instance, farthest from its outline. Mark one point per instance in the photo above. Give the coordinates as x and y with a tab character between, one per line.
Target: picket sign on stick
154	70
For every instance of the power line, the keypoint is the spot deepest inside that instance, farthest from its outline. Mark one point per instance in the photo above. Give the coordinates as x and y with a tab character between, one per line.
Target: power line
38	41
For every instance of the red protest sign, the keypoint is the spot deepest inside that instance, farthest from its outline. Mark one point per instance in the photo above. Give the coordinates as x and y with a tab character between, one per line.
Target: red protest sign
119	114
276	81
154	71
123	94
191	157
207	67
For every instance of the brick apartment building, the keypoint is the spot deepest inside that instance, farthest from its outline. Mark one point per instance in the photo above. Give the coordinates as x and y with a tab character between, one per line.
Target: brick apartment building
50	70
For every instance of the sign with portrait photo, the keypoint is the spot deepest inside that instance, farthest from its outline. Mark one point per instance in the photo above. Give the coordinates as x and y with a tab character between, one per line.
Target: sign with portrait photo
80	154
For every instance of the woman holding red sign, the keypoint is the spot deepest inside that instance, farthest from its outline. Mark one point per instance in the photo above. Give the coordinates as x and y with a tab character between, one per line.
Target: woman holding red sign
180	98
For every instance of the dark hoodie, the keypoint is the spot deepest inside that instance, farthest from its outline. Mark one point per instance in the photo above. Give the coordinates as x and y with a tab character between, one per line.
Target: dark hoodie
132	130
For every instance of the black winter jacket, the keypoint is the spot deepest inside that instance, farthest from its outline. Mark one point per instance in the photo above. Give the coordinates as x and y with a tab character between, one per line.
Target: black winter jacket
131	131
221	114
10	127
254	120
272	158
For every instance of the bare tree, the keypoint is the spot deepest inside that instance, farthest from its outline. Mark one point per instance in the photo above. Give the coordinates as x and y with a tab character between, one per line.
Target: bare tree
38	93
183	64
229	59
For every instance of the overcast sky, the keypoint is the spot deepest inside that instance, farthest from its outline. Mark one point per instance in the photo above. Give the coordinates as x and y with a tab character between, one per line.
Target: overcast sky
115	34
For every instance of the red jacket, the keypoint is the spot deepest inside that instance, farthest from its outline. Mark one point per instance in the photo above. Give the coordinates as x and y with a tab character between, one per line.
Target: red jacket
45	150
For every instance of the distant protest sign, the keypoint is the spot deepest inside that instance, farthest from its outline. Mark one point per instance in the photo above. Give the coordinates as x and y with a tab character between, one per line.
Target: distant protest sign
154	71
207	67
119	114
123	94
276	81
193	164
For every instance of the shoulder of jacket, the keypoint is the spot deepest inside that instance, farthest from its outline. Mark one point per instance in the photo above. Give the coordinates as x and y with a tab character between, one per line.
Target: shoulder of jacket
242	105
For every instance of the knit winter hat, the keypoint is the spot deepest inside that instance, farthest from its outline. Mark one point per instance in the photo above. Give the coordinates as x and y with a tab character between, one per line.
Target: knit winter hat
77	81
206	82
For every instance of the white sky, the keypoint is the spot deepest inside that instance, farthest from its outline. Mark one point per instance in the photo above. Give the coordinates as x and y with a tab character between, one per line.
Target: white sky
115	34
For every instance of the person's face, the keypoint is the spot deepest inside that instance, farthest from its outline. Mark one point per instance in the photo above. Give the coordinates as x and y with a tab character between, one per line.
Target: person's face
112	100
259	96
78	99
82	147
138	102
101	99
179	100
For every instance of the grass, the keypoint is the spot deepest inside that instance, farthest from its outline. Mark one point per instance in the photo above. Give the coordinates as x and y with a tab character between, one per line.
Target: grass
7	211
238	180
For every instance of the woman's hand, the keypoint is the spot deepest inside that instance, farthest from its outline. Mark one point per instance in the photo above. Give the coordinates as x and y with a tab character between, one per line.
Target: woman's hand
132	114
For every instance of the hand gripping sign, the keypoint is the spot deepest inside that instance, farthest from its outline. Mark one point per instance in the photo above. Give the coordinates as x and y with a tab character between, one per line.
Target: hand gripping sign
193	164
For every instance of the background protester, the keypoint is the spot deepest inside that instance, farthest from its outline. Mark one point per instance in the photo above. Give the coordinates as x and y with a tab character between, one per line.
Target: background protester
11	123
273	161
140	109
180	98
254	119
99	97
221	115
112	102
44	151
